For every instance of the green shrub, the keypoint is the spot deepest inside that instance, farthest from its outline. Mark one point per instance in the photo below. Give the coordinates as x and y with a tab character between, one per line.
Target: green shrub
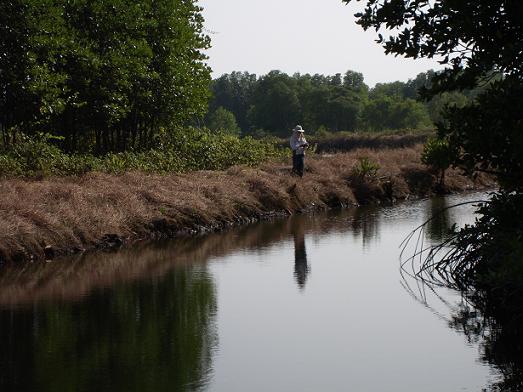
438	155
10	166
181	151
365	169
32	156
223	120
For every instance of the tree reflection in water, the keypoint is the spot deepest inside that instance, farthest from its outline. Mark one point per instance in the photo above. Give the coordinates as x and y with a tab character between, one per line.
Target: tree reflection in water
364	223
139	319
438	219
500	336
157	335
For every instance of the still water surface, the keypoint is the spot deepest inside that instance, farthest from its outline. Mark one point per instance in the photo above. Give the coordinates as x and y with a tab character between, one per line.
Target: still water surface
312	303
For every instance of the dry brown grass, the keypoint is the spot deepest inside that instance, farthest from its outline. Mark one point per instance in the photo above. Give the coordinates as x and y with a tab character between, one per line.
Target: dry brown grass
350	142
76	213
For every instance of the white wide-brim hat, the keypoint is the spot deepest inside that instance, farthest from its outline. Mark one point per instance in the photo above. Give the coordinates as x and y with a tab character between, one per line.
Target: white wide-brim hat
298	128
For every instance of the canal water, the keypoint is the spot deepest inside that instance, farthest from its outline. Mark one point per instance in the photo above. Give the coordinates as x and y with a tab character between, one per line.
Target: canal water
311	303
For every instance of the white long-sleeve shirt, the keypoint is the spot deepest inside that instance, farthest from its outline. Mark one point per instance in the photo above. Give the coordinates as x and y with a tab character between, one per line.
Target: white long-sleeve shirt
298	144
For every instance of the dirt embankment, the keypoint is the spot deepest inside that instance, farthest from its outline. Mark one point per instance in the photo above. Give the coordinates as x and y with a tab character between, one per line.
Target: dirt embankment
46	218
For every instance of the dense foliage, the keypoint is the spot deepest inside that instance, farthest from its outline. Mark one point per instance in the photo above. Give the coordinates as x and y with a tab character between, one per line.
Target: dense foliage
223	120
181	150
274	103
104	75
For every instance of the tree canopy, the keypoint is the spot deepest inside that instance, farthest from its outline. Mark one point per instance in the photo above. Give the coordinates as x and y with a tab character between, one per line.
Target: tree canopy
473	38
107	74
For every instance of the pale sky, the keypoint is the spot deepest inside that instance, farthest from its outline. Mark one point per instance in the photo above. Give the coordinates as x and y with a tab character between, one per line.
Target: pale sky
306	36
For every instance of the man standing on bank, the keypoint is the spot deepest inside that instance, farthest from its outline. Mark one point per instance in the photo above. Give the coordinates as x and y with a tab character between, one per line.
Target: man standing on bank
298	146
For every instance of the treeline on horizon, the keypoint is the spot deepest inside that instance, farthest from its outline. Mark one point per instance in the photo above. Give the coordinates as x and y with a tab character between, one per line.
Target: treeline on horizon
272	104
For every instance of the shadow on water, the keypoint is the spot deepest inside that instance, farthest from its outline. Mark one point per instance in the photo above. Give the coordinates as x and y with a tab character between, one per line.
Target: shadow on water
500	337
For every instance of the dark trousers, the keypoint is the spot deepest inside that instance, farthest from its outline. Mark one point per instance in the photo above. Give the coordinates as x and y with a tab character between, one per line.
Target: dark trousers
298	162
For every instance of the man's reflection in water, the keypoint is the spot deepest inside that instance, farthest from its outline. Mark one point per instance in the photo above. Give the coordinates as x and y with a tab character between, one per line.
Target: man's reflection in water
301	267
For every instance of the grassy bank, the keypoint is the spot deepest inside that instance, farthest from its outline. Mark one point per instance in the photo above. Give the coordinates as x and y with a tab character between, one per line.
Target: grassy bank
97	210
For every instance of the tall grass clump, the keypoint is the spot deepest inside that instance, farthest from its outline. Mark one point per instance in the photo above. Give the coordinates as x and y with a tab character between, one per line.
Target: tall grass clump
183	150
365	168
